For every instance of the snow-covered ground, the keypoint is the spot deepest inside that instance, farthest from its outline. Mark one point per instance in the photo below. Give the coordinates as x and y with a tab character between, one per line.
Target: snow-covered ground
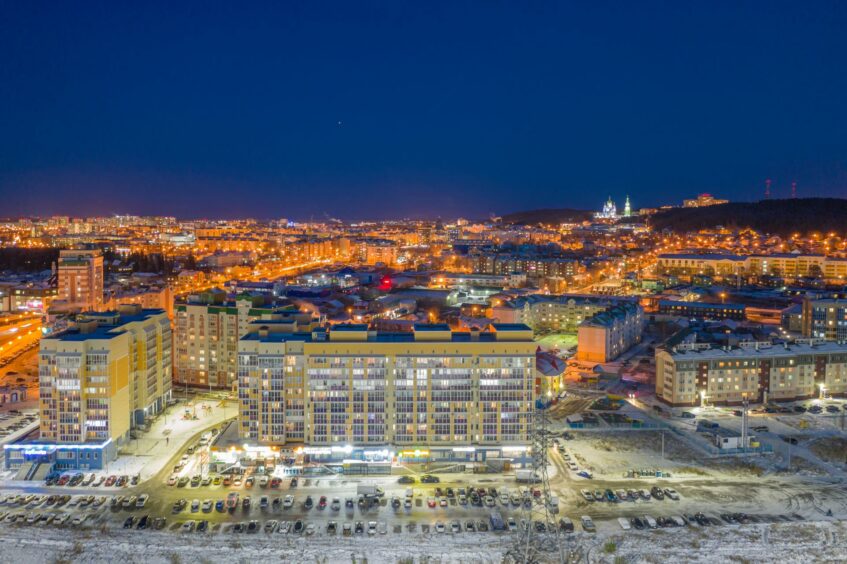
785	542
168	433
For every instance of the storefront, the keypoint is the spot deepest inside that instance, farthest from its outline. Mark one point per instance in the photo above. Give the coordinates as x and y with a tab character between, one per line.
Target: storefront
60	457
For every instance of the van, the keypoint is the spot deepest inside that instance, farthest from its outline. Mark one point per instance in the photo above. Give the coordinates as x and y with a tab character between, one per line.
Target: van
554	504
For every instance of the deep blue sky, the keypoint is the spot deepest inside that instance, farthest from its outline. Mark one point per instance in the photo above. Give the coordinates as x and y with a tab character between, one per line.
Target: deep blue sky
445	108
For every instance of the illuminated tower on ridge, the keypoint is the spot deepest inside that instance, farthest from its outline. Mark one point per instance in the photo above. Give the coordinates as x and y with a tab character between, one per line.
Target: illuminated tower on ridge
627	210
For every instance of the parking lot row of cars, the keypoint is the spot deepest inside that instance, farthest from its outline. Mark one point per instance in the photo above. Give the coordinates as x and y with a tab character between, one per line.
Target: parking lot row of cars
630	495
75	479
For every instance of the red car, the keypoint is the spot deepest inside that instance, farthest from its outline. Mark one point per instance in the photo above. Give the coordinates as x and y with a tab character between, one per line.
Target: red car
63	480
322	502
110	481
430	502
275	482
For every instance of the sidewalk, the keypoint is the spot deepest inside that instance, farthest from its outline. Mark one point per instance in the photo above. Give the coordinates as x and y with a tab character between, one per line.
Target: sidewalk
149	453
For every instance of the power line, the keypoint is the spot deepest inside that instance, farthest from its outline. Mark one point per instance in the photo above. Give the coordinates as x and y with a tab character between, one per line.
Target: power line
532	545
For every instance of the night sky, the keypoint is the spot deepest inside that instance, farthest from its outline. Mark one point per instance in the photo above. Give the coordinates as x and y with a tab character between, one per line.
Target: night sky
392	109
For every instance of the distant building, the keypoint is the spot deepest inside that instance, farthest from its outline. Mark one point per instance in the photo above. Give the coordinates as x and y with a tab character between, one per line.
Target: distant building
703	200
543	312
81	278
208	327
702	310
610	210
788	265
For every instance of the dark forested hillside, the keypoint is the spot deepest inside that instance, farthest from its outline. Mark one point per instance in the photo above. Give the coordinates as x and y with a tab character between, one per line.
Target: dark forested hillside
548	216
781	217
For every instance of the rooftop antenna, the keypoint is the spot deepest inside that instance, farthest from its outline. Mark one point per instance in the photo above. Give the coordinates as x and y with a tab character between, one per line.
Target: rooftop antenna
794	189
768	189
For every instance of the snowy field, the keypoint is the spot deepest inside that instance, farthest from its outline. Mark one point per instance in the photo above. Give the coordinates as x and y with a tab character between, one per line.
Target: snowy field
785	542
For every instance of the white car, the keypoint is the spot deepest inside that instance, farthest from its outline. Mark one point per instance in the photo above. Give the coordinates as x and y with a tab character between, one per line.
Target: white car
439	527
61	520
284	527
336	504
671	493
141	501
188	526
624	523
371	527
195	505
310	529
172	480
78	520
207	505
288	502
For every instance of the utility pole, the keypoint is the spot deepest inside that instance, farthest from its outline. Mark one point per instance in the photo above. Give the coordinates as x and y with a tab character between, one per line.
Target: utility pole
663	444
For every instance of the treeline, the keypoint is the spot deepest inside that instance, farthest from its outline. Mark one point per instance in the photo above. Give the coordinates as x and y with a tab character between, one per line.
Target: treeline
152	262
19	259
779	217
547	216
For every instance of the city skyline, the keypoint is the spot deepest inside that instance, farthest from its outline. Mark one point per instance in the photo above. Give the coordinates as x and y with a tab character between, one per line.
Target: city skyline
414	111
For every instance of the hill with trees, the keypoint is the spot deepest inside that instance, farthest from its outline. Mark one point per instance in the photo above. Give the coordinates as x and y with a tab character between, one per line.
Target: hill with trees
547	216
780	217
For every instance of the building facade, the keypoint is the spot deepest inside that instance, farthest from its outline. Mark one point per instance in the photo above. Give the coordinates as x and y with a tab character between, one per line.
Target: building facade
207	333
434	392
97	380
787	265
825	319
81	278
543	312
606	335
692	374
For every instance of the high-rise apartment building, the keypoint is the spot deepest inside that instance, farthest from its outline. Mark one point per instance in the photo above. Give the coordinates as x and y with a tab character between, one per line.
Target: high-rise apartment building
97	380
208	327
81	278
431	394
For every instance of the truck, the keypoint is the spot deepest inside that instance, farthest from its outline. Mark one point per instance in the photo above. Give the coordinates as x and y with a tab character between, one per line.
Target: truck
526	476
368	490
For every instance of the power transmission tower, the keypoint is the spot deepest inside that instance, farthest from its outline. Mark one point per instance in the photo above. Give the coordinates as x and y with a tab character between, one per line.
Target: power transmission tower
532	546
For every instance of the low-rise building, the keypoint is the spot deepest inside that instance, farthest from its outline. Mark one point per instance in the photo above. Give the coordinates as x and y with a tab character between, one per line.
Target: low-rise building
606	335
691	373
